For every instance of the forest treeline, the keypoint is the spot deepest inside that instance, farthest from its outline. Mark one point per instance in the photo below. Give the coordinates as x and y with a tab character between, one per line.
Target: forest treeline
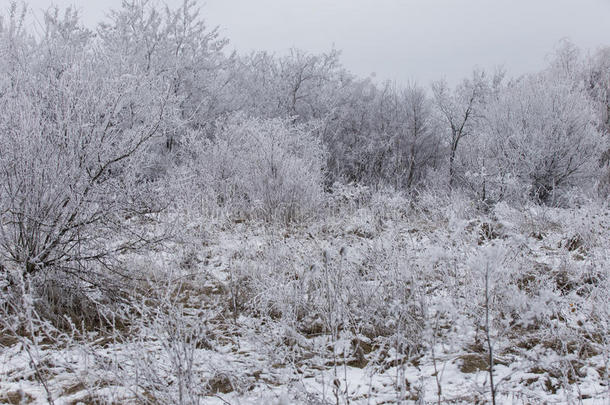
148	112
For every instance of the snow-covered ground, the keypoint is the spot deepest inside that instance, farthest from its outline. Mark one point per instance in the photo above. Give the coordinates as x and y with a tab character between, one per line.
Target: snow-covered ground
384	302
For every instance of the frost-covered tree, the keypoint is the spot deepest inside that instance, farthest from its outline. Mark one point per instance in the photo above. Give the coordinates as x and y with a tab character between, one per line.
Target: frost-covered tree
416	143
72	129
381	135
598	85
591	74
459	109
597	82
299	85
543	135
177	46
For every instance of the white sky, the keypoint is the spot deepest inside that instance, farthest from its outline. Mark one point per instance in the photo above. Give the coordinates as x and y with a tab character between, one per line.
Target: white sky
401	40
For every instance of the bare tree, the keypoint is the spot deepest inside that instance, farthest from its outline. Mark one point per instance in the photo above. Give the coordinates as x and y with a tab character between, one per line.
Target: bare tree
420	125
460	110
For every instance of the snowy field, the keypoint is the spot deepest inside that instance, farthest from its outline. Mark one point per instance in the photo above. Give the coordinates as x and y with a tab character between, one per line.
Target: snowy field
384	304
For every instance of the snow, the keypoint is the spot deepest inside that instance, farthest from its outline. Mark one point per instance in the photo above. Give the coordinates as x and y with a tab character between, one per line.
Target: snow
268	360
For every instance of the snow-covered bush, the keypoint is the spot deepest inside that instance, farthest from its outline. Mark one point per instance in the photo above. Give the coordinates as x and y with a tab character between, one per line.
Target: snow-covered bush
348	197
268	169
73	130
541	136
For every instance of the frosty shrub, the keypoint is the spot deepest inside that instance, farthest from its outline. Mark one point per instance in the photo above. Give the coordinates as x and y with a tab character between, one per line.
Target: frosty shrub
72	131
543	135
347	197
267	169
170	369
378	298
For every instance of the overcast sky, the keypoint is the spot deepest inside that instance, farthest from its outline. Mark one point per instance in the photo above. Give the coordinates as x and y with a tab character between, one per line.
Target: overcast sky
401	40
